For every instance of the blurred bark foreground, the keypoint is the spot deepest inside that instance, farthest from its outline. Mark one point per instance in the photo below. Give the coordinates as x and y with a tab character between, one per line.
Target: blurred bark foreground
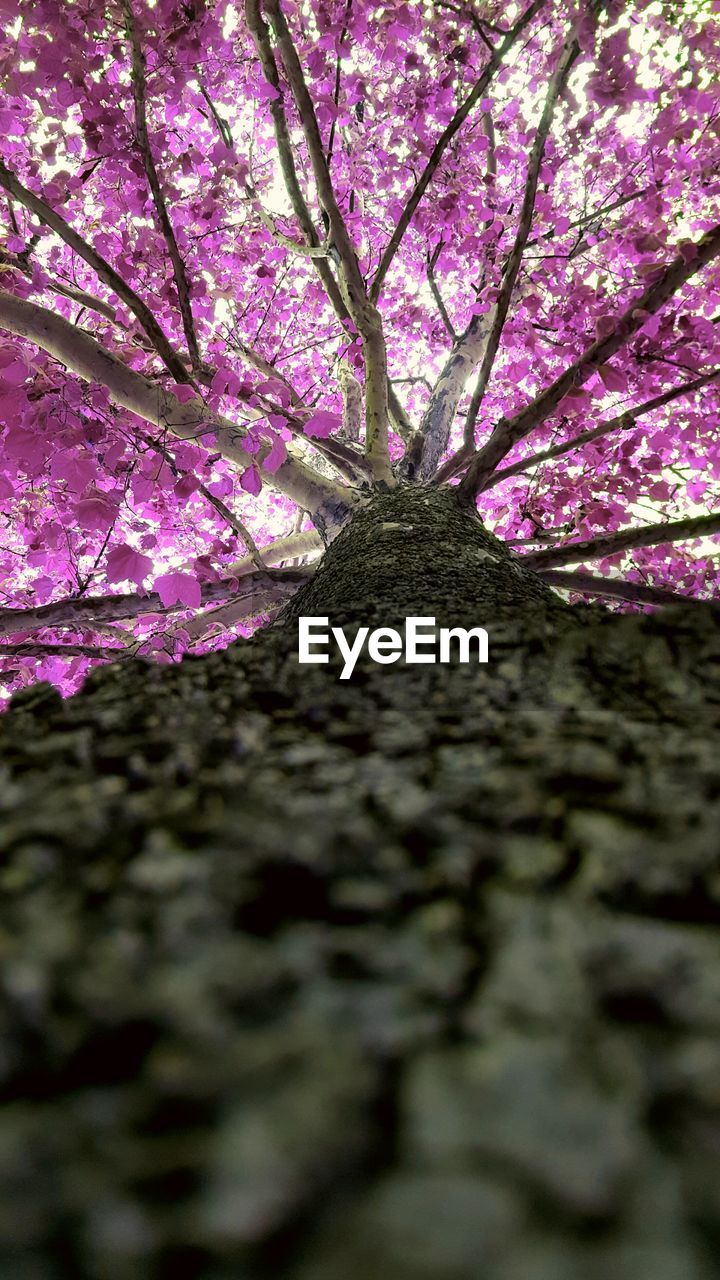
413	976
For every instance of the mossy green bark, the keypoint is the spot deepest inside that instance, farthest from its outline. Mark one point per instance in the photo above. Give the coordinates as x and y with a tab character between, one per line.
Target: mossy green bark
415	975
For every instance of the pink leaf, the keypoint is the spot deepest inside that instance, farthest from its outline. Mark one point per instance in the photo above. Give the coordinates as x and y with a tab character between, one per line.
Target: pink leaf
26	448
14	374
652	326
186	486
142	488
604	326
125	564
225	382
277	390
276	456
250	481
688	250
613	380
266	91
178	588
322	424
220	488
183	392
76	469
96	512
648	243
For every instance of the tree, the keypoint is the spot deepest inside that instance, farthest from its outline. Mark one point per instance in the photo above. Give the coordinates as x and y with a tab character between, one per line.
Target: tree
343	251
411	973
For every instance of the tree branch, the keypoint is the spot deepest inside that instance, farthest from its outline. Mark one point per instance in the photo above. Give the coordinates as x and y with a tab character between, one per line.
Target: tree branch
478	23
103	270
261	39
556	87
623	421
589	218
651	535
362	310
429	442
336	89
671	279
295	246
350	466
221	124
139	87
239	610
86	358
20	263
434	289
274	586
398	416
444	141
590	584
30	650
235	523
350	463
301	543
346	461
352	400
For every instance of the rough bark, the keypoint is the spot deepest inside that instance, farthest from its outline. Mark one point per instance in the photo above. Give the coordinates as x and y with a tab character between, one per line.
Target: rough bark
413	975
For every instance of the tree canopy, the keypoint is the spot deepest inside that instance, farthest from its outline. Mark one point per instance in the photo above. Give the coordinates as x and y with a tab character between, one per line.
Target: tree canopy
258	258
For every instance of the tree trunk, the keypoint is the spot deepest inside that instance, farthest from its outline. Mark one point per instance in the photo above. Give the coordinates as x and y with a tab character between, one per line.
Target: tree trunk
413	975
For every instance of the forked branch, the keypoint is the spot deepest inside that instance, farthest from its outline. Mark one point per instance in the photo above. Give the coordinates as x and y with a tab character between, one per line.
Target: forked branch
443	142
556	87
671	279
191	420
103	270
621	422
255	591
362	310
